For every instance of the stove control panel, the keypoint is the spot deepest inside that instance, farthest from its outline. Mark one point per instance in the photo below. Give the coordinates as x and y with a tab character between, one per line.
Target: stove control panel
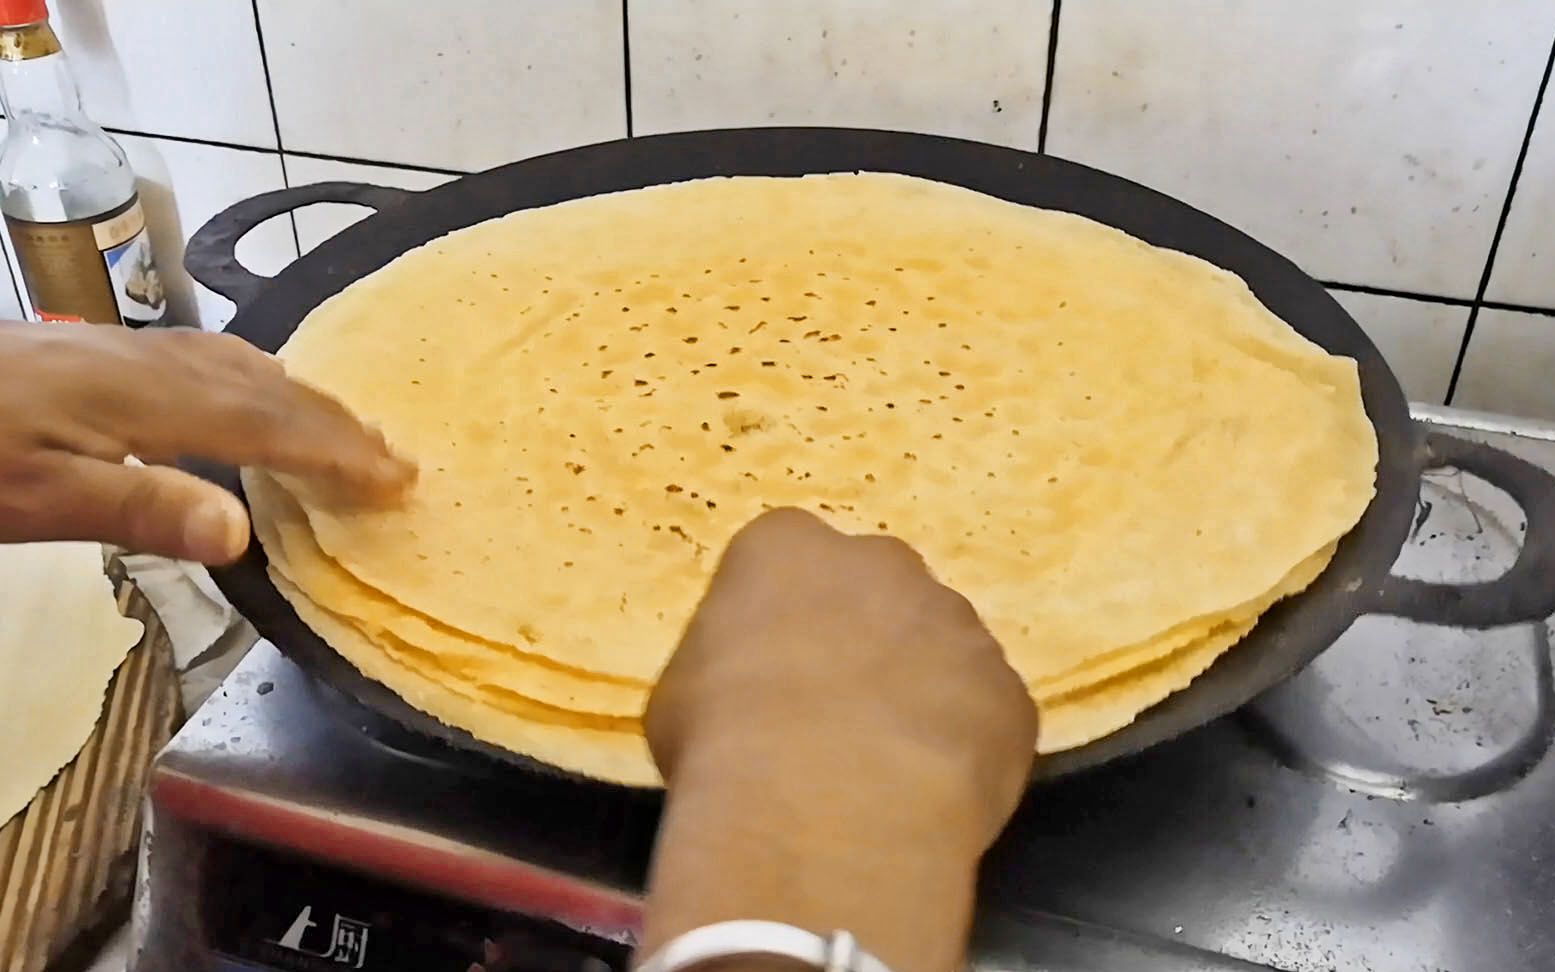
242	907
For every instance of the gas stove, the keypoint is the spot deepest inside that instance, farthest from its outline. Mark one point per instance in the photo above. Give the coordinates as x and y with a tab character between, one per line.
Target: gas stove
1391	809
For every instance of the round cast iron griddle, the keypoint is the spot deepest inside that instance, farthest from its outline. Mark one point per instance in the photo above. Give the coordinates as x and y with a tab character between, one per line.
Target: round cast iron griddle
1287	638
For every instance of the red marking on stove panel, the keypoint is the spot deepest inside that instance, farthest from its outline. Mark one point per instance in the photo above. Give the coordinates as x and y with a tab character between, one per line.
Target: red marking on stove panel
474	875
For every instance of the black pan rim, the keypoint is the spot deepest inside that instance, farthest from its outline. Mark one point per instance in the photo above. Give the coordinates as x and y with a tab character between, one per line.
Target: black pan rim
1287	638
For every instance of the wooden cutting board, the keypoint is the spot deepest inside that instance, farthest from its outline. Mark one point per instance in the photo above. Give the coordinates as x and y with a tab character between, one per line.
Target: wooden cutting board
67	862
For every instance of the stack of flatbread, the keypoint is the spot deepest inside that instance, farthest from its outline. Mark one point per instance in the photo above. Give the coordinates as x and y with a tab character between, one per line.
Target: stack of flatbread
1115	451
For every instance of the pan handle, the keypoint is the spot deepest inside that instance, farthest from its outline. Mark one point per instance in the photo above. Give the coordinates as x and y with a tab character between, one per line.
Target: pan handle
211	256
1526	592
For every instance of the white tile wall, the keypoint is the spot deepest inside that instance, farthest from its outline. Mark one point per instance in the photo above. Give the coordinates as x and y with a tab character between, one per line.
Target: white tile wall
174	67
461	85
1510	366
1373	143
1525	264
975	71
1370	142
1419	339
315	224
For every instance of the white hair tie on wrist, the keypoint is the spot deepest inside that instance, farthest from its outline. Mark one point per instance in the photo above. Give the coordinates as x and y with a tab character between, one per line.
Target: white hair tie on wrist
838	952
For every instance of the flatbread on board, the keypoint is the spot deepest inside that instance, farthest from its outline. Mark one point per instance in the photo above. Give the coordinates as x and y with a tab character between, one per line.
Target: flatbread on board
61	639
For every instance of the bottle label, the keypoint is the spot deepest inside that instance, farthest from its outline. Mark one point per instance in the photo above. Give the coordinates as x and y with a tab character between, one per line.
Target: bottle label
97	269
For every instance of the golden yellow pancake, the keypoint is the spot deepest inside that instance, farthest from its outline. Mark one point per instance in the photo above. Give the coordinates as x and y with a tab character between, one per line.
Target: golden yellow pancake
1098	710
294	554
565	741
1176	640
1113	450
1092	438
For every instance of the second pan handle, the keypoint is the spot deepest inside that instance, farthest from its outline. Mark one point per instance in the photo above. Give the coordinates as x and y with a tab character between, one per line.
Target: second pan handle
1526	592
211	256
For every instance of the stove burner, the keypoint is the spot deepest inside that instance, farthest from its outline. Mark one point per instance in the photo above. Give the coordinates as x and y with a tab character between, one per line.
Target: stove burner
1407	712
384	734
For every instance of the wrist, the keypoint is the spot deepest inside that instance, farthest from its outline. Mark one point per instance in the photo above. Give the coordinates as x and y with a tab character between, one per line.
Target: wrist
883	787
817	841
883	799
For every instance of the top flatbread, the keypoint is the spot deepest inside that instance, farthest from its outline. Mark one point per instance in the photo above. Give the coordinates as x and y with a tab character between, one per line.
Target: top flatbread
1094	439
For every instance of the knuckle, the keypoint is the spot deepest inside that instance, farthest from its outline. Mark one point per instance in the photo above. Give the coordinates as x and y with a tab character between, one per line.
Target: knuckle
784	519
235	349
907	558
890	558
761	533
955	620
957	607
231	356
886	546
1018	716
185	344
231	343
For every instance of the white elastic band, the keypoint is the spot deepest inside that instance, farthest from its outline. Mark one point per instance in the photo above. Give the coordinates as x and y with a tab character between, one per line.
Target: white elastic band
741	939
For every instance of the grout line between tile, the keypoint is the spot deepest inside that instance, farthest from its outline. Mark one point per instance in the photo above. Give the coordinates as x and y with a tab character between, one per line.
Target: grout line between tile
1405	294
626	63
1047	85
1488	305
1518	308
275	121
1463	353
1495	239
291	214
300	153
356	160
1355	288
264	63
191	140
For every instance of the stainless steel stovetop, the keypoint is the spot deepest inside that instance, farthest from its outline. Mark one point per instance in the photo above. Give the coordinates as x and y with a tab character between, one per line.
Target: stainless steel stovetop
1391	810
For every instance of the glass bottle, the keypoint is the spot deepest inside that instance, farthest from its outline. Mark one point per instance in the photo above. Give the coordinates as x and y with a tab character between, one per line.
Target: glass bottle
67	192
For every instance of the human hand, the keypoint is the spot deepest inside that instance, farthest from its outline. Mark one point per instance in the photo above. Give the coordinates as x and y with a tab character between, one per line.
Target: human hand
75	400
842	739
838	651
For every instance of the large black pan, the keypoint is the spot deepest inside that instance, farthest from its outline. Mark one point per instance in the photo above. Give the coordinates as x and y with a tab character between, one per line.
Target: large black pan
1287	638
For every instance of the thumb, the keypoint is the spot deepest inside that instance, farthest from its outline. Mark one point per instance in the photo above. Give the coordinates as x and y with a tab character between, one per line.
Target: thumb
147	509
